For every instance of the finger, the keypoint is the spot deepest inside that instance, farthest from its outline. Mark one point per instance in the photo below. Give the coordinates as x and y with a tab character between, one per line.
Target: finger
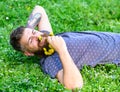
58	38
61	38
52	38
49	39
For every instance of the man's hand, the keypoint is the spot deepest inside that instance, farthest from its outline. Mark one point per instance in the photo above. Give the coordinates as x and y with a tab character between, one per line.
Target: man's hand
70	75
39	18
57	43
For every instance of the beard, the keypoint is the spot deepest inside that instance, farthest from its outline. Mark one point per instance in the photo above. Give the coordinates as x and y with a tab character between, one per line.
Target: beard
40	51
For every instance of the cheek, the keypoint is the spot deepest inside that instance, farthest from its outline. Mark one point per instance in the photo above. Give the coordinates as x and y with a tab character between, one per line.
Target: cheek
33	47
35	44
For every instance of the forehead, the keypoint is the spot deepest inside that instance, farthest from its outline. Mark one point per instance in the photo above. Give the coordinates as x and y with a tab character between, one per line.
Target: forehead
26	34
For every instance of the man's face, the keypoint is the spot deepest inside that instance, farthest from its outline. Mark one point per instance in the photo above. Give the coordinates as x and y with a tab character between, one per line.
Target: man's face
31	42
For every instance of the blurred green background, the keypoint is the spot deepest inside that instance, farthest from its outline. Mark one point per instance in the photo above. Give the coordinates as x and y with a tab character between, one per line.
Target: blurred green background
23	74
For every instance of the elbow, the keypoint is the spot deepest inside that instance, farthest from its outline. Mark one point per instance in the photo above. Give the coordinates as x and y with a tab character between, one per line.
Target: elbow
74	85
39	7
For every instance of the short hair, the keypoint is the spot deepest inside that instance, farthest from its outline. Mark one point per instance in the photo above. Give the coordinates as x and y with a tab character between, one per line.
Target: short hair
15	38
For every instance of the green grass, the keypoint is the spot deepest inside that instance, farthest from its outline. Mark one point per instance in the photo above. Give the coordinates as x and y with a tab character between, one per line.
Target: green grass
23	74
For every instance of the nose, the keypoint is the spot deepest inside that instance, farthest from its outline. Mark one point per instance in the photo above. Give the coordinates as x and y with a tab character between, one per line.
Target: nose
36	34
35	37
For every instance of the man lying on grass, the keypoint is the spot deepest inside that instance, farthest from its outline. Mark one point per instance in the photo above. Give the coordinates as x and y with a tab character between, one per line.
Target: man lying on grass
64	54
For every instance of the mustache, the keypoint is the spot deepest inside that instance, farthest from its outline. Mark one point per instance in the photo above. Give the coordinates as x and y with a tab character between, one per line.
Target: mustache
40	52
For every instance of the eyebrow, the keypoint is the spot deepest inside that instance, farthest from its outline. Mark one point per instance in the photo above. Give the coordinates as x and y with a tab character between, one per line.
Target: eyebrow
30	37
29	40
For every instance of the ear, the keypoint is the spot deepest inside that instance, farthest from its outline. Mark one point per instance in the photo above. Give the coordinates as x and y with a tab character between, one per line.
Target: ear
28	53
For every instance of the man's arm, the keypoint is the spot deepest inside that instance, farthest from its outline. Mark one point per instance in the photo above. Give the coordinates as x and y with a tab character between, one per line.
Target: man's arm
70	75
39	18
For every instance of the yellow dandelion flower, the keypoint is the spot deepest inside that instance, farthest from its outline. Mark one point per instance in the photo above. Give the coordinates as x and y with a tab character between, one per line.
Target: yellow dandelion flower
47	53
51	34
44	49
50	46
40	37
50	49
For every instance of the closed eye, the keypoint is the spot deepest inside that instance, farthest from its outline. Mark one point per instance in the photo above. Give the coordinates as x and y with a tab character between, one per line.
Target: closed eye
33	32
30	40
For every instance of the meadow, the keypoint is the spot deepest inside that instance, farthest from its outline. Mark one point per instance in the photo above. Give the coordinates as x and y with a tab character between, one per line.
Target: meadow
19	73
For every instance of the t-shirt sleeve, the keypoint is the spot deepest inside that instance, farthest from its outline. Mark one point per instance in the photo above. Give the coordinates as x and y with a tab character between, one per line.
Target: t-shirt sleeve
52	65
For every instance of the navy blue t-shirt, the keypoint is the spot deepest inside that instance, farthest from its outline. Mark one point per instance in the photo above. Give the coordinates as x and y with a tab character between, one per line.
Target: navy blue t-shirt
85	48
